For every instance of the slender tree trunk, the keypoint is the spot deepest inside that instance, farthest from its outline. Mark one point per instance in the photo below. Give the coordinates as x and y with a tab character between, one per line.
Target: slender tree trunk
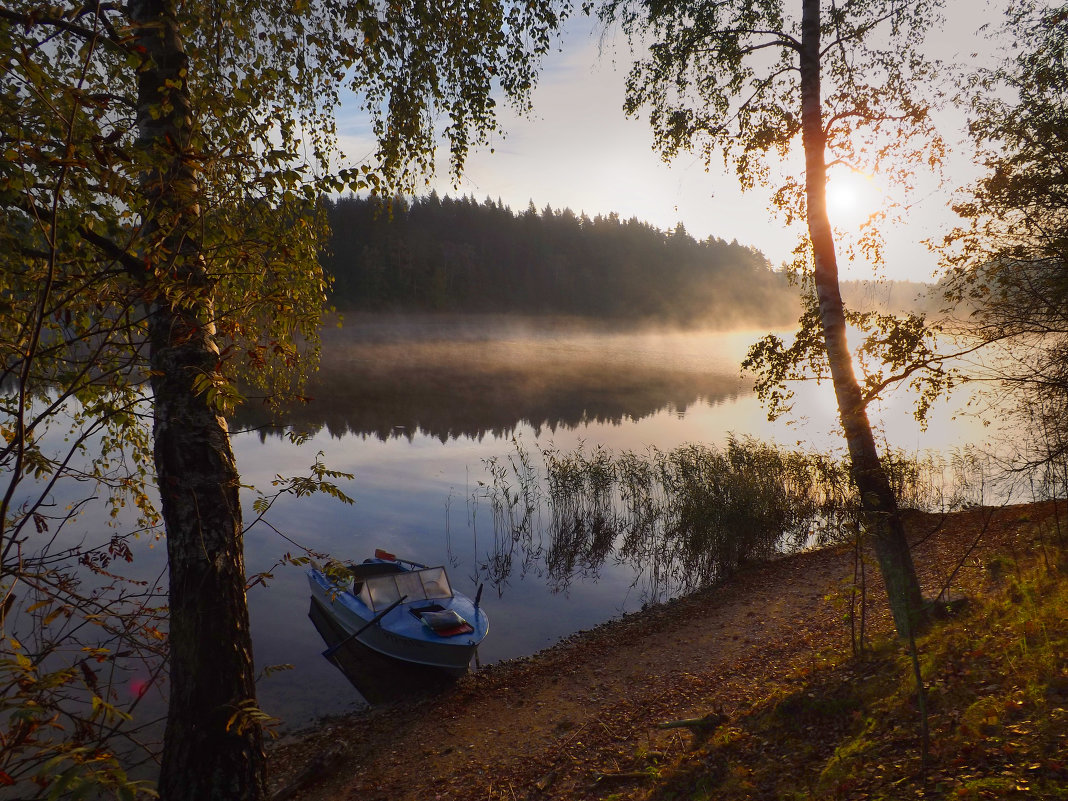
882	517
205	755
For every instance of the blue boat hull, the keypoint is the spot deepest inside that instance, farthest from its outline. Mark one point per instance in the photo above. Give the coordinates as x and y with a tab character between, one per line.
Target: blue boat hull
400	633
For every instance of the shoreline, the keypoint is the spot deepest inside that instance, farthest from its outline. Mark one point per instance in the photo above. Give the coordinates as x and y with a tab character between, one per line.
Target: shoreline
540	726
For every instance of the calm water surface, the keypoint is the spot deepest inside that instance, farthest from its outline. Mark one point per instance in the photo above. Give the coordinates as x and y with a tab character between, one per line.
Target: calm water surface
416	412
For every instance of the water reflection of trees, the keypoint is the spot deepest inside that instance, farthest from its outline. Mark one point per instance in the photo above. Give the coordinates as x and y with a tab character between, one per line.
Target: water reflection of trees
478	388
683	518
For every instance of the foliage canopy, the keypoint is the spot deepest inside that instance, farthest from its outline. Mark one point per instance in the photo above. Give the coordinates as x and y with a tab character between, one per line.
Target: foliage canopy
724	80
161	167
751	79
1008	261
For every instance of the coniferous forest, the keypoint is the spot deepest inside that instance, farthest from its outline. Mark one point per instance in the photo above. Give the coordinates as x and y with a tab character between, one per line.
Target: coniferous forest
443	254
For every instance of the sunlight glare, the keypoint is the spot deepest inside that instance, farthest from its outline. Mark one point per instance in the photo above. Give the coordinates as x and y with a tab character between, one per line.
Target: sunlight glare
841	197
851	199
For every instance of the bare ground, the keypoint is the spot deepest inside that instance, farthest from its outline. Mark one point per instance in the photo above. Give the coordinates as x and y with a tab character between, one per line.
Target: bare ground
578	721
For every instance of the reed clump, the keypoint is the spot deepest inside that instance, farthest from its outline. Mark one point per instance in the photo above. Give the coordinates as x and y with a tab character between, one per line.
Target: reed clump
683	518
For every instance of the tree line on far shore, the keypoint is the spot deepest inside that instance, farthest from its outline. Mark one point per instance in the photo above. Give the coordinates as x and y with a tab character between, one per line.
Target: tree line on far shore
458	255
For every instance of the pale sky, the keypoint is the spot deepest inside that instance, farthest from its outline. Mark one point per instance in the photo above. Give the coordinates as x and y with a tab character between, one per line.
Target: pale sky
578	150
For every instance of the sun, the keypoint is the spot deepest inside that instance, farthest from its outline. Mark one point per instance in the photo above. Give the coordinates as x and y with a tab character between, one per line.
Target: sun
841	197
851	199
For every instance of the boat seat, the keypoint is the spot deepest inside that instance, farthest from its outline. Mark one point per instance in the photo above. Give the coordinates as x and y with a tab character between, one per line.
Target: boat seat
443	622
365	569
418	612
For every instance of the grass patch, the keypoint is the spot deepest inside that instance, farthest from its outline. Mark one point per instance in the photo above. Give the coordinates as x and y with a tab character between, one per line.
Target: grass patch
997	694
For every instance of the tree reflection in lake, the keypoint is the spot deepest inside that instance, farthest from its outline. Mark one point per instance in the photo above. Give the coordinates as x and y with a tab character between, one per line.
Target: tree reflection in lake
448	378
423	413
420	411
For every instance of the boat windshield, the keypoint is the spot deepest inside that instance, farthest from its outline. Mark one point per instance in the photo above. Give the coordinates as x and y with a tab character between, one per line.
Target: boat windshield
428	584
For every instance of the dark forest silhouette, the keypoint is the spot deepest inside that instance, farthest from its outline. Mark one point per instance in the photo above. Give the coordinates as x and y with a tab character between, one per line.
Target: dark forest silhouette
466	319
447	254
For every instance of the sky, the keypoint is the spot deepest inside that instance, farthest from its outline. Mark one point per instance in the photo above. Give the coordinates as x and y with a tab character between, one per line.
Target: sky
578	150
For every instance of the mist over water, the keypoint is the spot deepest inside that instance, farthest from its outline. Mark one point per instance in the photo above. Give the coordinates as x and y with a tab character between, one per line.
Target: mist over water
419	408
427	412
447	377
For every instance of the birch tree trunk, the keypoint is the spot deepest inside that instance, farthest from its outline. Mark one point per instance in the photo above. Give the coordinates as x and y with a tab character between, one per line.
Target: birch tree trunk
211	668
882	517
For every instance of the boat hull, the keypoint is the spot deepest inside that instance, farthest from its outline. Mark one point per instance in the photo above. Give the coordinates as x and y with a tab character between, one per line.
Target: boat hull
399	633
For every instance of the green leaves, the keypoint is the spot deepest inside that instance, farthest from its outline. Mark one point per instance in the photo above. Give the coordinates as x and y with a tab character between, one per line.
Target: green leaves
428	61
84	773
218	391
1007	263
247	715
161	175
314	482
894	350
721	79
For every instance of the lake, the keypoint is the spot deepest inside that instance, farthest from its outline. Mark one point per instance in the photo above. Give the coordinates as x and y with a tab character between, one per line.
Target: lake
421	411
417	410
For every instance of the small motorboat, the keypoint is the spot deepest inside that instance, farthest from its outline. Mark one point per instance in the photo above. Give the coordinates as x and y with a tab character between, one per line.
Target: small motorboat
402	609
379	680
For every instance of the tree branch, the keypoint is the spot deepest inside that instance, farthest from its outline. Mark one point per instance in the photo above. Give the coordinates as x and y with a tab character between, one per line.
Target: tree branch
744	51
914	367
863	30
133	265
29	21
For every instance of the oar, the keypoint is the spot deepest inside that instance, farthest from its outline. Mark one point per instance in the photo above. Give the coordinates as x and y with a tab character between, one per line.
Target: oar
380	554
329	652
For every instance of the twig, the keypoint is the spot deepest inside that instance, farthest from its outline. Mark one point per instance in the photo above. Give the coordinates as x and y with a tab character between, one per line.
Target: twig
921	702
975	544
710	721
630	774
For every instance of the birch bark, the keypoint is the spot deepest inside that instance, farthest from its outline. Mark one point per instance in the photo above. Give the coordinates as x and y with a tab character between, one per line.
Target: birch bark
881	513
211	669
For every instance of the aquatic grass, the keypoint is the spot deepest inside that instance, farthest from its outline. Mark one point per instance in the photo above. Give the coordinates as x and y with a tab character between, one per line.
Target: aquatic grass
682	518
514	495
691	516
728	507
581	512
